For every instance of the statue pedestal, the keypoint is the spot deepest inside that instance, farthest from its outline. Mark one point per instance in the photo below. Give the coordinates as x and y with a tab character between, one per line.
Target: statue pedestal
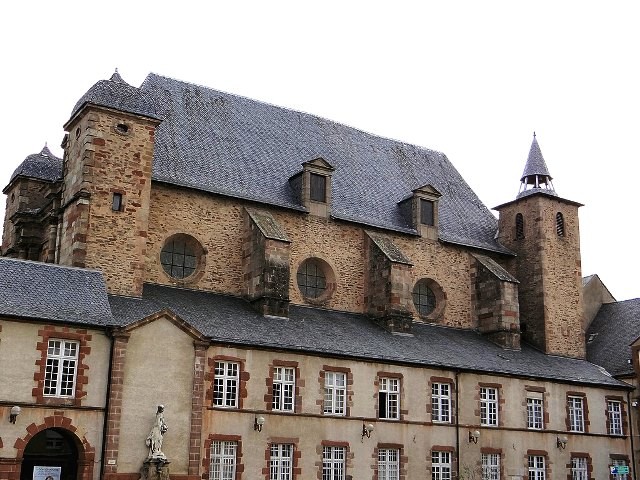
155	469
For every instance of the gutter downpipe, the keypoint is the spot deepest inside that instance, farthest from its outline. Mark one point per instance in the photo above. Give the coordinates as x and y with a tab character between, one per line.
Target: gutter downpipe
458	428
107	403
633	454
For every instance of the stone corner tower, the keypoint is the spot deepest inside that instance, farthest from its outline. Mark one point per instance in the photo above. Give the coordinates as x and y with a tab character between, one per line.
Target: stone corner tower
108	155
543	230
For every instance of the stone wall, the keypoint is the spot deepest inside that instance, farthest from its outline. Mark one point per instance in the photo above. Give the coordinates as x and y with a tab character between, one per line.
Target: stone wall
548	268
218	224
108	153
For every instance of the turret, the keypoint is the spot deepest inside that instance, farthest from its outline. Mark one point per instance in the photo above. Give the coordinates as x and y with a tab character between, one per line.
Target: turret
30	220
543	230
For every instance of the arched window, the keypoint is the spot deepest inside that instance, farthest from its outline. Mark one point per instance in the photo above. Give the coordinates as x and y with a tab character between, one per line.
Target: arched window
560	224
519	226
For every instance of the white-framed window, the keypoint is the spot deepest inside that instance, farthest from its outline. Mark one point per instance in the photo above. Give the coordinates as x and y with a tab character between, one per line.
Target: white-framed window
61	368
335	393
536	467
222	465
614	411
388	464
440	465
534	413
441	402
333	463
490	466
284	385
225	384
579	469
488	406
576	414
281	461
389	398
620	463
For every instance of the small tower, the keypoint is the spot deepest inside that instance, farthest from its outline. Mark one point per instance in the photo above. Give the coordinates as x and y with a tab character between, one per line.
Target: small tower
106	184
543	230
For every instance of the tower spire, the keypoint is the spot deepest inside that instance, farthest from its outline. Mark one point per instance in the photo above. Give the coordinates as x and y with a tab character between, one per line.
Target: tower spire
535	177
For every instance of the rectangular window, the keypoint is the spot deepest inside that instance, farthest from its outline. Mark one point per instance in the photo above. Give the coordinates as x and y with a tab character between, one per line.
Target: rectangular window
576	414
318	191
223	461
614	410
333	463
389	398
335	392
488	406
534	413
620	463
579	468
388	464
225	384
281	462
426	212
441	402
440	466
536	467
116	203
61	368
490	466
284	382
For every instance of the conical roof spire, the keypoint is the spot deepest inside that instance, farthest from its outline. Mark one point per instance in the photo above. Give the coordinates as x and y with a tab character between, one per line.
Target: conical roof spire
116	77
535	177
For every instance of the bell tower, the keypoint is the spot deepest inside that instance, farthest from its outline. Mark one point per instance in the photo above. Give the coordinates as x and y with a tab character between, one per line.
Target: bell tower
543	230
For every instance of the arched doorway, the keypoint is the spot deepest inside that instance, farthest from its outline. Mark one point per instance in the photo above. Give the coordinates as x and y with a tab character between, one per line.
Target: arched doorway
52	447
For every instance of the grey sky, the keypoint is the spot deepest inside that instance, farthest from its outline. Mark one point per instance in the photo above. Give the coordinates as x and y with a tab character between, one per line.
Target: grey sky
472	79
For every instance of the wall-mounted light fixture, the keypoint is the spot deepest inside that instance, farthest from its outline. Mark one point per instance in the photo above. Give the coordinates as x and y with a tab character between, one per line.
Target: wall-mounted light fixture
474	435
366	430
13	414
258	422
635	402
561	442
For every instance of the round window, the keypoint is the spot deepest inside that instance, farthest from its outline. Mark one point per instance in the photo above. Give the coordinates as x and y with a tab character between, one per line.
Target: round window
315	279
428	298
180	256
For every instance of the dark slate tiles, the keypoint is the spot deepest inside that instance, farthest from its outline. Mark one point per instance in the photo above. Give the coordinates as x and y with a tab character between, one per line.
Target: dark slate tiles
50	292
42	166
611	333
230	319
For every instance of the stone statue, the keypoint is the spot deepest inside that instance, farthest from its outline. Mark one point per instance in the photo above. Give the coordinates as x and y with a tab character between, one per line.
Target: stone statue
154	439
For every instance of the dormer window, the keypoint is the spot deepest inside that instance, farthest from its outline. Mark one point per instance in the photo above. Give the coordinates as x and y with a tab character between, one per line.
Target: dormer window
312	186
421	211
318	188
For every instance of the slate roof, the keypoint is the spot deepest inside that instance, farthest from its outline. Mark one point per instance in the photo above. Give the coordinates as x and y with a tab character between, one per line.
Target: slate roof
536	167
230	145
118	94
42	166
612	331
50	292
230	320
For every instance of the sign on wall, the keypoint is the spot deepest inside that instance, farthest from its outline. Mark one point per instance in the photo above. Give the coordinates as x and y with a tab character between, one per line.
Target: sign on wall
619	470
46	473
